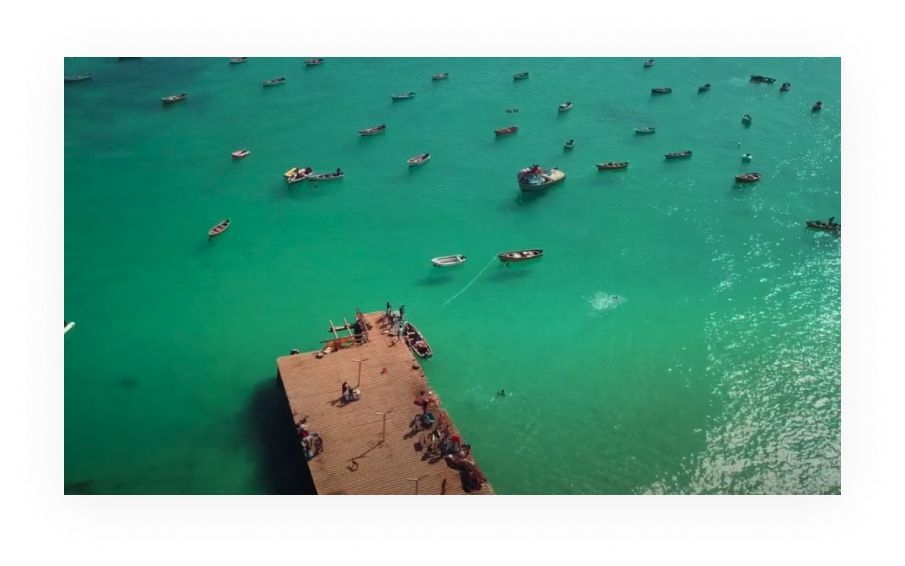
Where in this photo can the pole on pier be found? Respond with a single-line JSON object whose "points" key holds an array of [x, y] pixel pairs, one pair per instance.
{"points": [[357, 385]]}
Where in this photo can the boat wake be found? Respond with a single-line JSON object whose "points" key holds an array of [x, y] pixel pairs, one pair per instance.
{"points": [[489, 263], [603, 302]]}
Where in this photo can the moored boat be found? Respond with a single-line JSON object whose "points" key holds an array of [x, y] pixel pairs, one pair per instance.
{"points": [[520, 76], [536, 178], [827, 226], [240, 153], [678, 154], [746, 119], [219, 228], [661, 90], [335, 175], [418, 159], [520, 255], [313, 62], [373, 131], [448, 260], [747, 178], [440, 76], [569, 144], [649, 63], [647, 130], [274, 82], [746, 157], [297, 174], [77, 78], [415, 340], [785, 87], [565, 106], [611, 165], [405, 96], [761, 79], [506, 131], [704, 87], [237, 60], [817, 106], [173, 98]]}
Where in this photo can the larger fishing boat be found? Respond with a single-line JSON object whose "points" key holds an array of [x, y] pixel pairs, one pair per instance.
{"points": [[536, 178]]}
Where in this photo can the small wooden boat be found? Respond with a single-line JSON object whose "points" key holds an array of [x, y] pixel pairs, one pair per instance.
{"points": [[240, 153], [313, 62], [334, 176], [511, 110], [647, 130], [661, 90], [297, 174], [565, 106], [612, 165], [174, 98], [536, 178], [817, 106], [274, 82], [440, 76], [520, 255], [218, 229], [406, 96], [520, 76], [746, 119], [678, 154], [827, 226], [649, 63], [569, 144], [448, 260], [418, 159], [746, 157], [373, 131], [77, 78], [785, 87], [747, 178], [761, 79], [415, 340], [704, 87], [237, 60], [508, 130]]}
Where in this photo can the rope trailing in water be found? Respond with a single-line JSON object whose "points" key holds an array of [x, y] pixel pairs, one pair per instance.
{"points": [[470, 282]]}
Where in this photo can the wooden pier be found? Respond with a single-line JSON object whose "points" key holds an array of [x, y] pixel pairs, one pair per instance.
{"points": [[368, 444]]}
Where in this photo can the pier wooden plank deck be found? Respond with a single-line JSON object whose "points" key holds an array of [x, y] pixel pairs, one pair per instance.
{"points": [[356, 458]]}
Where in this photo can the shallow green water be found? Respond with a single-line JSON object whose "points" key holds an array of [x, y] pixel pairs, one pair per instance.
{"points": [[680, 334]]}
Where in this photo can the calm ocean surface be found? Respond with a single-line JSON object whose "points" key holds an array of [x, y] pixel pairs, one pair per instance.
{"points": [[680, 334]]}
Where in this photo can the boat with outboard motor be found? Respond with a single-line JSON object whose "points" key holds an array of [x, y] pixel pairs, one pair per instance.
{"points": [[520, 255], [827, 226]]}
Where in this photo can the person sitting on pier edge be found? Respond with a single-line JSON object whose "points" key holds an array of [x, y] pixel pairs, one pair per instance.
{"points": [[312, 445]]}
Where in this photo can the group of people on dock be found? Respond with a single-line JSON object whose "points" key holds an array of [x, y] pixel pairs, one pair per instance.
{"points": [[312, 443], [438, 440]]}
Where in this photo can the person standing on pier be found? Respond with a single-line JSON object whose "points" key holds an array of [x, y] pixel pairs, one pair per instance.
{"points": [[389, 313], [401, 312]]}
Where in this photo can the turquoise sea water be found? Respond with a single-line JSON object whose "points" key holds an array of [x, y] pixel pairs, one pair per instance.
{"points": [[680, 334]]}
